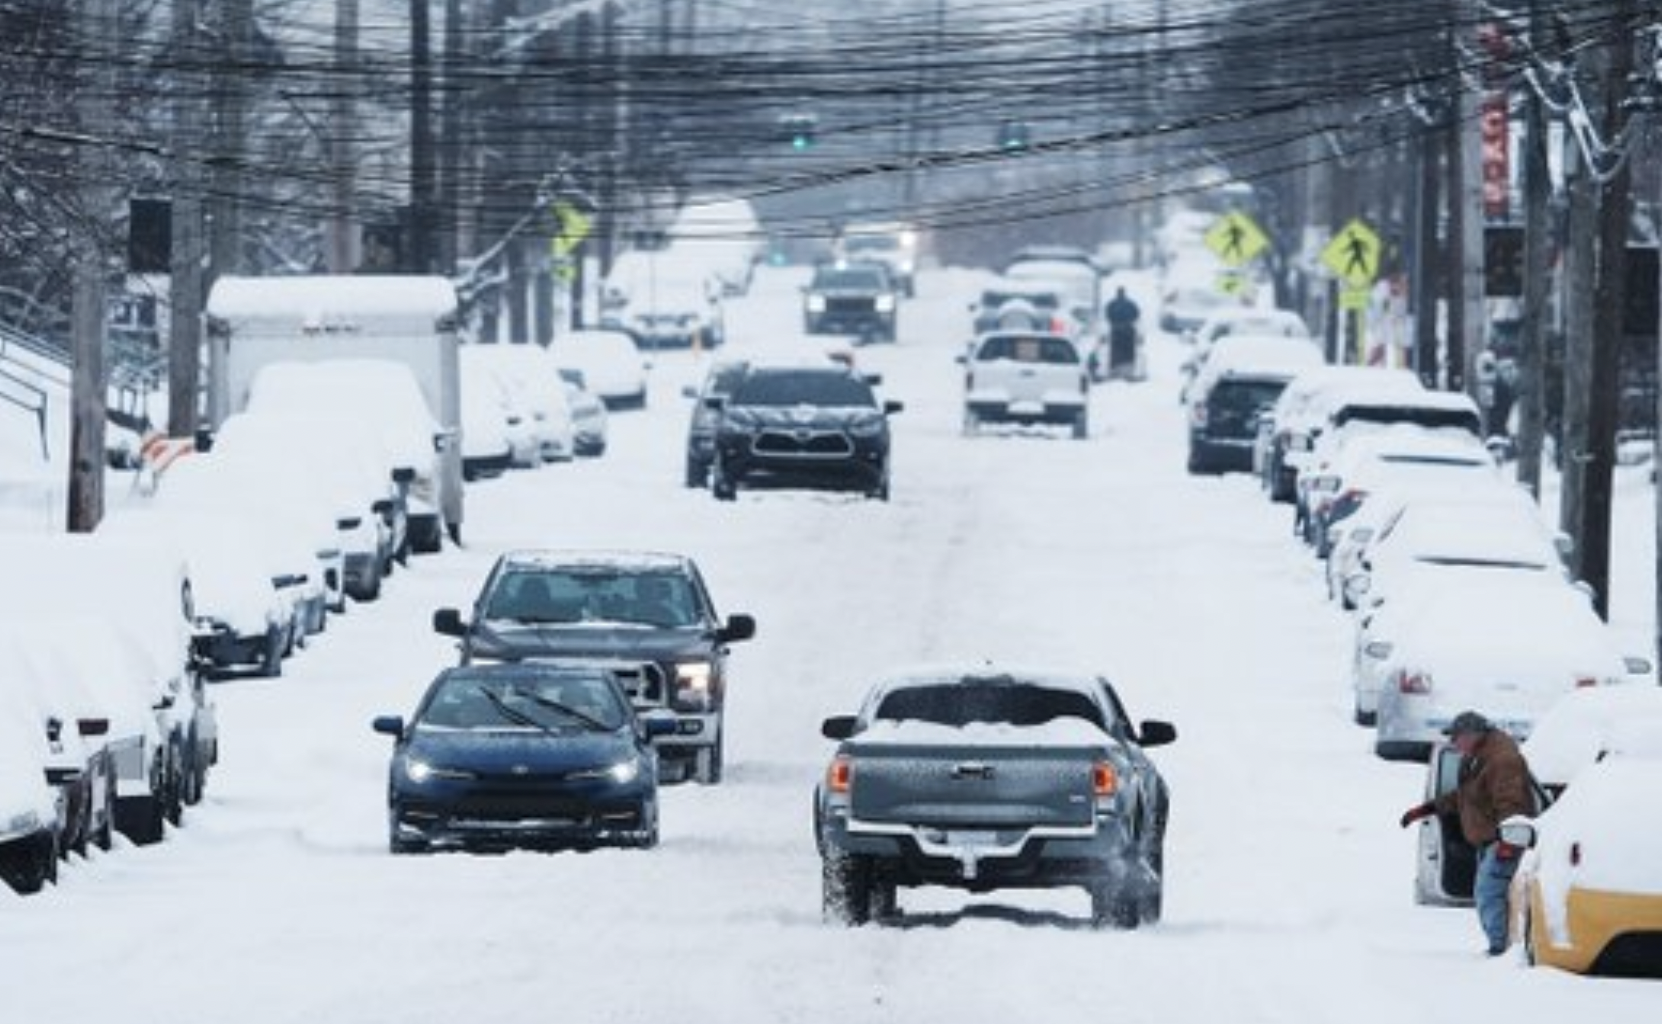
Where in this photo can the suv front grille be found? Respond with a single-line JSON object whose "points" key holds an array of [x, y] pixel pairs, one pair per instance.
{"points": [[803, 444]]}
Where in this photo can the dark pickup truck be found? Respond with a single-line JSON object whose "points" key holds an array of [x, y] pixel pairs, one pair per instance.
{"points": [[983, 780], [648, 609]]}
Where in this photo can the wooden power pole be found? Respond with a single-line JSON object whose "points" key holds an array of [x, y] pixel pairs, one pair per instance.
{"points": [[184, 342]]}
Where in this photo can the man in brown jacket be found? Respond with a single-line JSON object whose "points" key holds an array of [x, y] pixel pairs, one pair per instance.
{"points": [[1494, 786]]}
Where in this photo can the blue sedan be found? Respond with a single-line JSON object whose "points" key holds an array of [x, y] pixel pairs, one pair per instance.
{"points": [[533, 755]]}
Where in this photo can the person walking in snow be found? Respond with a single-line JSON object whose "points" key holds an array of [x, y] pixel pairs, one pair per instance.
{"points": [[1494, 785]]}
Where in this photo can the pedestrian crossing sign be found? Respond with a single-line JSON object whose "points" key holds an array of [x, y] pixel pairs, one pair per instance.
{"points": [[1236, 239], [1353, 254]]}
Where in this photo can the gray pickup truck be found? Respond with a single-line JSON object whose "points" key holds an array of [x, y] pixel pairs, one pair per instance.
{"points": [[985, 779]]}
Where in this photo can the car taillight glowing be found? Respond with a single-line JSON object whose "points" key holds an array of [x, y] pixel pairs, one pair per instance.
{"points": [[1104, 780], [1583, 682], [1413, 682], [839, 778]]}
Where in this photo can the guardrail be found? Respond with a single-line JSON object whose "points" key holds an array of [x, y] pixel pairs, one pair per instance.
{"points": [[29, 397]]}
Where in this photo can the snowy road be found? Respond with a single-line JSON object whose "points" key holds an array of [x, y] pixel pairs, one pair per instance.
{"points": [[1288, 890]]}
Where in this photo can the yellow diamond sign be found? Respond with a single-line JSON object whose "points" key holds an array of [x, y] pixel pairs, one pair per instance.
{"points": [[574, 227], [1236, 238], [1353, 255]]}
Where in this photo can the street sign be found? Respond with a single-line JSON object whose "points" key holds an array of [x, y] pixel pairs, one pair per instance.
{"points": [[1236, 238], [574, 228], [1353, 255]]}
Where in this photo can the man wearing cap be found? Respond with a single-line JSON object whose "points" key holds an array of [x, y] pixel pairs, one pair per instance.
{"points": [[1494, 785]]}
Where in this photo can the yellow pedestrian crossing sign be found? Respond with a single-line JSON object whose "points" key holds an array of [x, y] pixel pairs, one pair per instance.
{"points": [[574, 227], [1353, 254], [1236, 238]]}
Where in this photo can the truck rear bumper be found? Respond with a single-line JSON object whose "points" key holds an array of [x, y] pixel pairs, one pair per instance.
{"points": [[1035, 857]]}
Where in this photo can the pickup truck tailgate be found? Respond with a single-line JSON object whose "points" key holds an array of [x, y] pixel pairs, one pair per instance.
{"points": [[976, 787]]}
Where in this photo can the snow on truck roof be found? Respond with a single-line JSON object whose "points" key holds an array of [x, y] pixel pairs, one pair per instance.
{"points": [[324, 296]]}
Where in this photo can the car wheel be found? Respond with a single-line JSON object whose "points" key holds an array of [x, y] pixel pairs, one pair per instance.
{"points": [[370, 589], [722, 487], [426, 535], [143, 821], [271, 662], [972, 424], [1112, 908], [647, 838], [707, 763], [846, 888], [1081, 425], [1529, 934], [1367, 719], [104, 837], [698, 473]]}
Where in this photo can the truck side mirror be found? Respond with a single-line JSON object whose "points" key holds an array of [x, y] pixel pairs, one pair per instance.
{"points": [[448, 622]]}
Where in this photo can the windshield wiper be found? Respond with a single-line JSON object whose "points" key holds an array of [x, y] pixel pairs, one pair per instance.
{"points": [[512, 714], [554, 705]]}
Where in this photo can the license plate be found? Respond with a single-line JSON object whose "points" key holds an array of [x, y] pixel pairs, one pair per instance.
{"points": [[972, 838]]}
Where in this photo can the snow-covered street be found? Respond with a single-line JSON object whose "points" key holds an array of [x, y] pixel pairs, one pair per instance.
{"points": [[1288, 893]]}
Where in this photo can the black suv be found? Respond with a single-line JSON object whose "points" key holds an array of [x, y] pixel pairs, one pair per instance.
{"points": [[701, 428], [649, 615], [802, 426], [854, 298]]}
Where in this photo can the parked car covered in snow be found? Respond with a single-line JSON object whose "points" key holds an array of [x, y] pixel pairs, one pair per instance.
{"points": [[983, 779], [1244, 376], [29, 809], [1588, 894], [610, 362], [530, 383], [1506, 647], [590, 423], [1288, 432]]}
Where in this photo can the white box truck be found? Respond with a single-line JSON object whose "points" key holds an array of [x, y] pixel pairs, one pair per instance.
{"points": [[254, 322]]}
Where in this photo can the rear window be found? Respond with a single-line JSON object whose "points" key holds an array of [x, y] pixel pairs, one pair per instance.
{"points": [[809, 388], [1030, 349], [1245, 396], [959, 704]]}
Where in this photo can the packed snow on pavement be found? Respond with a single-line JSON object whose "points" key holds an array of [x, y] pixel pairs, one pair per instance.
{"points": [[1288, 889]]}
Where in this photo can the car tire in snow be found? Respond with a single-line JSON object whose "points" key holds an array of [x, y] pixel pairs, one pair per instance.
{"points": [[846, 887], [1081, 425], [1112, 907], [707, 765]]}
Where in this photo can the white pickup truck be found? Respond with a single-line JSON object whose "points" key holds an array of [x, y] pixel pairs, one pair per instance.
{"points": [[1027, 378]]}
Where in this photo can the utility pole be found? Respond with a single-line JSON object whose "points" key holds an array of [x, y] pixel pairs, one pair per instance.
{"points": [[1537, 282], [345, 249], [1610, 321], [1580, 282], [1427, 253], [450, 140], [100, 28], [184, 343], [418, 237], [234, 32]]}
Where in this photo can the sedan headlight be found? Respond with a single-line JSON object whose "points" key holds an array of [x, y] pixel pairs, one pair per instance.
{"points": [[620, 773], [425, 771], [816, 303]]}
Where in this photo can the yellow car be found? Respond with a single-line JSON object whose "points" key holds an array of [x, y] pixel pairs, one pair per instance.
{"points": [[1588, 896]]}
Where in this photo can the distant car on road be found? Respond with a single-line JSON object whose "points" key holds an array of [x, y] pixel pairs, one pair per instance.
{"points": [[1237, 386], [852, 298], [1027, 378], [718, 384], [653, 611], [611, 364], [802, 426], [533, 755], [983, 779], [891, 243]]}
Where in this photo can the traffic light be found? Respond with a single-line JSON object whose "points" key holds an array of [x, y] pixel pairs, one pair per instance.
{"points": [[798, 130], [1013, 135]]}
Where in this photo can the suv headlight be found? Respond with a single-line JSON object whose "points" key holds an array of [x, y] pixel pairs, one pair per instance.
{"points": [[693, 675], [885, 303], [816, 303], [870, 426]]}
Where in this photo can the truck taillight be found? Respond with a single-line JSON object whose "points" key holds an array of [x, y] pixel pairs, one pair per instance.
{"points": [[1413, 682], [839, 778], [1105, 781]]}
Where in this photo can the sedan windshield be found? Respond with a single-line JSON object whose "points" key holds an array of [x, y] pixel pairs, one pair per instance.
{"points": [[550, 702]]}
